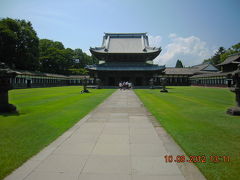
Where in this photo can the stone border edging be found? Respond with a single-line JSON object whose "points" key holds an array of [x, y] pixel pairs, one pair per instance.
{"points": [[189, 170]]}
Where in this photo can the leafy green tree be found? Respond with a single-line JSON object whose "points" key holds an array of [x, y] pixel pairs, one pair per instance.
{"points": [[179, 64], [216, 58], [233, 50], [20, 48], [67, 61], [8, 41], [49, 62], [80, 60], [57, 60], [94, 60], [52, 57], [80, 71], [236, 47], [18, 44], [45, 44]]}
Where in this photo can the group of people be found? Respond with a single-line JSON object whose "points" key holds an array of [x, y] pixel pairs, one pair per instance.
{"points": [[125, 85]]}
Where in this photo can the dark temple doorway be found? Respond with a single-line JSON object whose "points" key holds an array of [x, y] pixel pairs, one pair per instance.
{"points": [[124, 79], [111, 81], [139, 81], [29, 83]]}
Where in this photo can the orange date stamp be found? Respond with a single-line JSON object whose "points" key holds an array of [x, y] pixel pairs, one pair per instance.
{"points": [[196, 159]]}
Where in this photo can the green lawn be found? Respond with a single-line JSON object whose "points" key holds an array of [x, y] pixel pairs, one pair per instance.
{"points": [[45, 113], [195, 117]]}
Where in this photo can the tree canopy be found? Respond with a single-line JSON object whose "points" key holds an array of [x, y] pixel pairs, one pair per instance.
{"points": [[18, 44], [215, 59], [179, 64], [55, 58], [233, 50], [222, 54], [20, 48]]}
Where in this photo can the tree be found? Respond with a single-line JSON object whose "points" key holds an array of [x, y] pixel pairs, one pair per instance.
{"points": [[80, 60], [55, 58], [94, 60], [215, 59], [67, 61], [50, 55], [8, 41], [233, 50], [80, 71], [18, 44], [20, 48], [179, 64], [236, 47], [45, 44]]}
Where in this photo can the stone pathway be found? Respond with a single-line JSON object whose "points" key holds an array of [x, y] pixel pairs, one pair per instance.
{"points": [[117, 141]]}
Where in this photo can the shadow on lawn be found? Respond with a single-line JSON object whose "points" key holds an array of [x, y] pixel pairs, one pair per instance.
{"points": [[10, 114]]}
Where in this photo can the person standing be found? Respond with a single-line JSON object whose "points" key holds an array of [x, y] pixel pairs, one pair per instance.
{"points": [[124, 85], [130, 85], [120, 85], [127, 85]]}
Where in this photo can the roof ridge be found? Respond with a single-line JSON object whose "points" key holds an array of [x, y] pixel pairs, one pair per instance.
{"points": [[124, 33], [235, 54]]}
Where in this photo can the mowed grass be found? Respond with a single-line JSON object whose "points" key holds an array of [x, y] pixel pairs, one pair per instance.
{"points": [[44, 114], [195, 117]]}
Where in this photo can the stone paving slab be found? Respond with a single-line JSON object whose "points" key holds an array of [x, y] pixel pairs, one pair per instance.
{"points": [[117, 141]]}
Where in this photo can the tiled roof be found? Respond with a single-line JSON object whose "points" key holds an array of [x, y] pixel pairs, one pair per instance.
{"points": [[180, 71], [21, 72], [125, 43], [29, 73], [204, 67], [194, 70], [210, 75], [235, 58]]}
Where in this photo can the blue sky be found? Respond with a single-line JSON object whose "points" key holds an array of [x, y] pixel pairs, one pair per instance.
{"points": [[190, 30]]}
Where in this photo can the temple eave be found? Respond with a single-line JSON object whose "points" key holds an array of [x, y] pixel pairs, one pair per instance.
{"points": [[125, 67], [102, 51], [126, 56], [126, 70]]}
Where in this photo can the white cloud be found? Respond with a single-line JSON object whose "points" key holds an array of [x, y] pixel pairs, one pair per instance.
{"points": [[154, 41], [172, 35], [191, 50]]}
